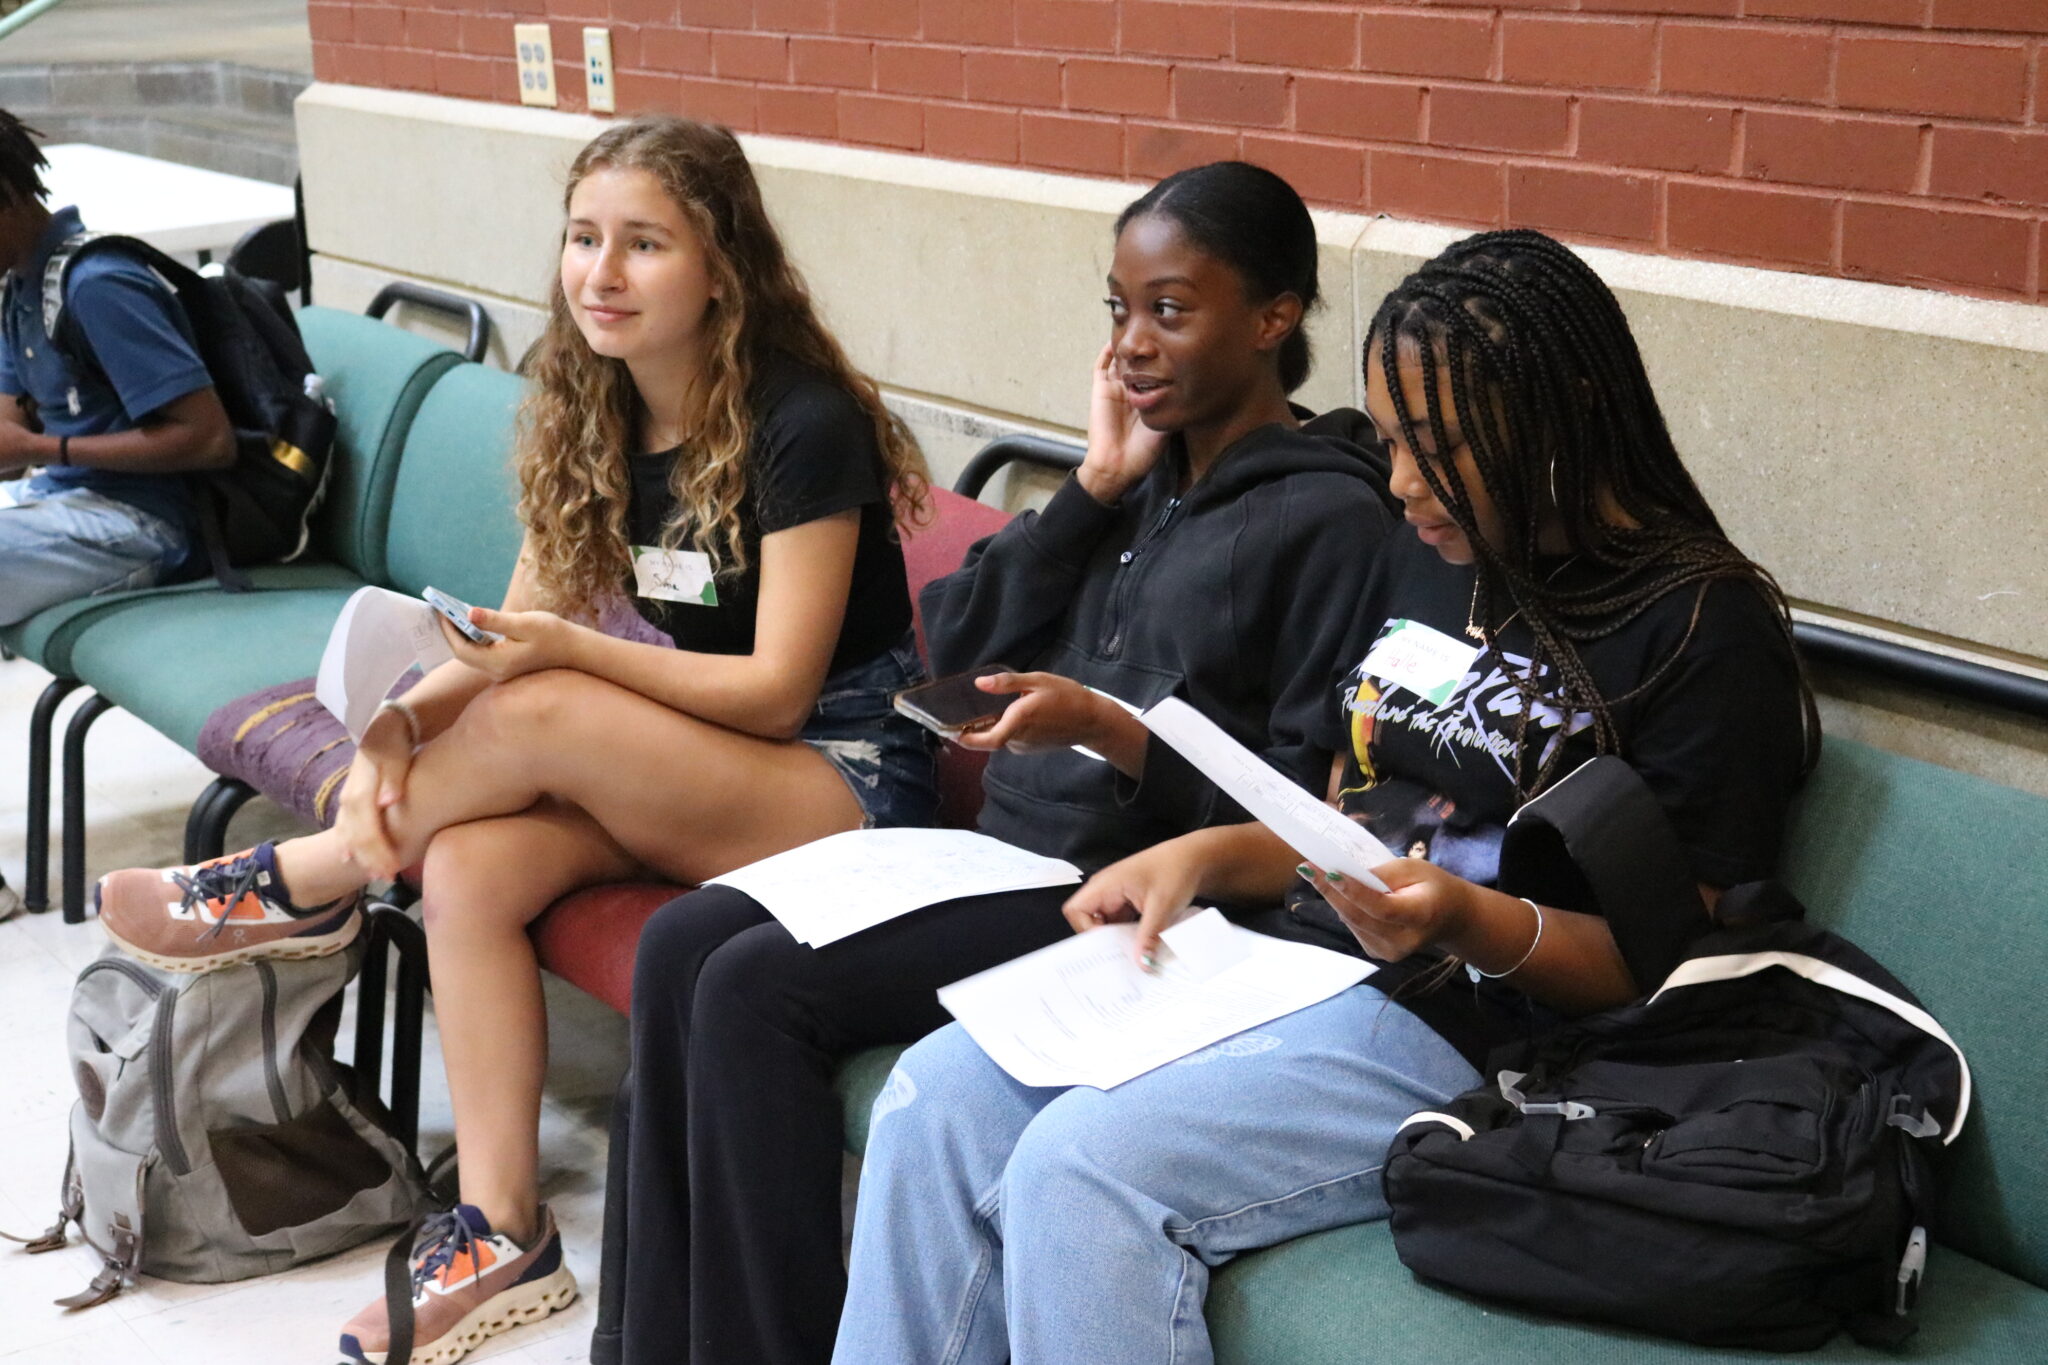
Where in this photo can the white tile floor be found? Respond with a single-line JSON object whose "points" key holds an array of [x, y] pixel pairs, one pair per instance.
{"points": [[140, 785]]}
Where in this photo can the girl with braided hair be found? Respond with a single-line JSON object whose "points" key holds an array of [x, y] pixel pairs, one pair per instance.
{"points": [[1561, 590]]}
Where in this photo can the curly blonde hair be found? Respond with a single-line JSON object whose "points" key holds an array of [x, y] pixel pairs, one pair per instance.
{"points": [[577, 422]]}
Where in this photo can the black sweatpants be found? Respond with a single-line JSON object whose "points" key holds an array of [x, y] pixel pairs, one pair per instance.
{"points": [[722, 1217]]}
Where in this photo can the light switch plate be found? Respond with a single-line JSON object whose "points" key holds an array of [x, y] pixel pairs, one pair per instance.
{"points": [[536, 63], [597, 70]]}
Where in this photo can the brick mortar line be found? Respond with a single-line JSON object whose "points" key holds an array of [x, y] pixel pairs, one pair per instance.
{"points": [[1674, 99], [1918, 197], [1709, 103]]}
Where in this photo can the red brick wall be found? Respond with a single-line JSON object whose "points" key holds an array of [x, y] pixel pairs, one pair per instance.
{"points": [[1896, 140]]}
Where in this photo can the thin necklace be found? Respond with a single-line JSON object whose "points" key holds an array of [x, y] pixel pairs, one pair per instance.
{"points": [[1479, 632]]}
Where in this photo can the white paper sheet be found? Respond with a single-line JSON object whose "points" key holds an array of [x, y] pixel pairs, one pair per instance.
{"points": [[377, 637], [845, 883], [1082, 1012], [1321, 835]]}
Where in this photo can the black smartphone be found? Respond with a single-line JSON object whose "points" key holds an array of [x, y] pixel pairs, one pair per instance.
{"points": [[954, 705]]}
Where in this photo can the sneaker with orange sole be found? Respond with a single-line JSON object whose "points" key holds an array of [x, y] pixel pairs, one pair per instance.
{"points": [[214, 914]]}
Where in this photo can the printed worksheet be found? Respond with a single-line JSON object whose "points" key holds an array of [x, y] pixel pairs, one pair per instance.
{"points": [[1315, 831], [845, 883], [377, 637], [1083, 1012]]}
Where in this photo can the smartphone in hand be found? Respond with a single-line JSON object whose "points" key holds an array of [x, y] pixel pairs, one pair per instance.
{"points": [[953, 705], [456, 612]]}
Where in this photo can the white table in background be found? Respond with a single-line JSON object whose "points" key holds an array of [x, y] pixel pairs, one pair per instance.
{"points": [[188, 212]]}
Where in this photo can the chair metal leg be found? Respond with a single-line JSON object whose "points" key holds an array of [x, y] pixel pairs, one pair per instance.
{"points": [[89, 710], [35, 883], [206, 825]]}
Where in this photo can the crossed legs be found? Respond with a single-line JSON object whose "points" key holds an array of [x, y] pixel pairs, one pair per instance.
{"points": [[548, 783]]}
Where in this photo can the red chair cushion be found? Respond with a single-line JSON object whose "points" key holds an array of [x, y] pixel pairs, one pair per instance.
{"points": [[588, 938]]}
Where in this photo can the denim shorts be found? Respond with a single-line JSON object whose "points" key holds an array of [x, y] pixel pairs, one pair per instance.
{"points": [[889, 762]]}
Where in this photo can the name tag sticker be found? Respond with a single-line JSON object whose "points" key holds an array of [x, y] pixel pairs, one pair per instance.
{"points": [[674, 575], [1422, 659]]}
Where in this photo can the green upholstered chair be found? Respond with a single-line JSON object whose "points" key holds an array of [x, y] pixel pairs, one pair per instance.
{"points": [[145, 656], [378, 377], [445, 513], [454, 521], [1943, 878]]}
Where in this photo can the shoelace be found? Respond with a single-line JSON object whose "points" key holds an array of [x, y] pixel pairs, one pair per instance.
{"points": [[442, 1238], [225, 882]]}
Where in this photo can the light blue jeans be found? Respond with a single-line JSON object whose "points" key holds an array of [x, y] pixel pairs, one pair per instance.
{"points": [[55, 547], [1002, 1222]]}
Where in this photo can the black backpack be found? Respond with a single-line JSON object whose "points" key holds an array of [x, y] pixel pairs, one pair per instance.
{"points": [[257, 511], [1744, 1158]]}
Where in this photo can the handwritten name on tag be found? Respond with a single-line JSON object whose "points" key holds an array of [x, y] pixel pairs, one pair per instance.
{"points": [[674, 575], [1422, 659]]}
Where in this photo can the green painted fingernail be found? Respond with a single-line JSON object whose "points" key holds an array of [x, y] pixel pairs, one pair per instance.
{"points": [[1335, 876], [1305, 872], [1151, 962]]}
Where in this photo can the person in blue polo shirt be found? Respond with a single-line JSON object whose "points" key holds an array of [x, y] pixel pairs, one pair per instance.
{"points": [[108, 507]]}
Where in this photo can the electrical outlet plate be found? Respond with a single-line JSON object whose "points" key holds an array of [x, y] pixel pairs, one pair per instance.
{"points": [[536, 63], [599, 90]]}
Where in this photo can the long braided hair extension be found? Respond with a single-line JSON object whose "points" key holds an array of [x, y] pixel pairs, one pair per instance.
{"points": [[21, 163], [1549, 390]]}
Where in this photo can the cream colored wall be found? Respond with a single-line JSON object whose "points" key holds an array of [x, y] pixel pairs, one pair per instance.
{"points": [[1884, 450]]}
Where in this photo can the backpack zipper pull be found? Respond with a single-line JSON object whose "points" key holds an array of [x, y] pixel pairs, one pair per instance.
{"points": [[1568, 1110], [1911, 1267]]}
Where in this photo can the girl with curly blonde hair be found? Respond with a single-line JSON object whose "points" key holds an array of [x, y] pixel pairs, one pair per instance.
{"points": [[696, 444]]}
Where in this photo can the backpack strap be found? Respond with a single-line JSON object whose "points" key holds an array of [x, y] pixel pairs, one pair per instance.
{"points": [[214, 538], [56, 274], [398, 1298], [72, 343], [1599, 841], [69, 341], [1729, 966]]}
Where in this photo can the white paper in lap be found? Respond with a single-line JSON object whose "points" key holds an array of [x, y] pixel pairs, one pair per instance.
{"points": [[376, 638], [1319, 834], [1082, 1012], [842, 884]]}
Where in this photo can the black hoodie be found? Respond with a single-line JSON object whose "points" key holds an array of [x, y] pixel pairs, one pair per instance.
{"points": [[1236, 597]]}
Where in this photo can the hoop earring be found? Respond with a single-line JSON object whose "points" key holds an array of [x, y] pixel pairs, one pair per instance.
{"points": [[1553, 484]]}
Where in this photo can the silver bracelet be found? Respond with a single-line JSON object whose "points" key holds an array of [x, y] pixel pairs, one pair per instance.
{"points": [[412, 717], [1538, 912]]}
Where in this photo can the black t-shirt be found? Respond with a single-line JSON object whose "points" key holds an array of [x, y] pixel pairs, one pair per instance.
{"points": [[813, 454], [1715, 733]]}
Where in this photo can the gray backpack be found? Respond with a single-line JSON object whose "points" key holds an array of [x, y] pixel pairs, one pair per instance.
{"points": [[215, 1137]]}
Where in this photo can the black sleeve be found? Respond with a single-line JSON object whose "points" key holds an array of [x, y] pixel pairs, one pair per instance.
{"points": [[814, 454], [1719, 738], [1009, 594], [1305, 571]]}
